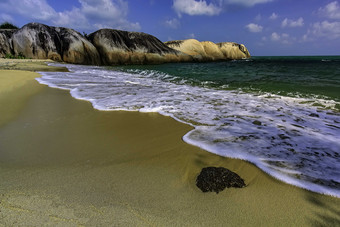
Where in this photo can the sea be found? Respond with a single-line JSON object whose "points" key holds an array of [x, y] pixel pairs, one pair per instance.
{"points": [[280, 113]]}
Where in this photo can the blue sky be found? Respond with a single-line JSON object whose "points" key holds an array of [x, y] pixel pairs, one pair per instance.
{"points": [[266, 27]]}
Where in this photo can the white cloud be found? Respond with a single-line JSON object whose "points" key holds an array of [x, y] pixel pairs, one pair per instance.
{"points": [[192, 7], [247, 3], [282, 38], [258, 17], [98, 14], [172, 23], [214, 7], [191, 36], [254, 27], [92, 14], [305, 37], [34, 9], [329, 30], [292, 23], [331, 10], [284, 22], [104, 9], [275, 36], [285, 35], [274, 16]]}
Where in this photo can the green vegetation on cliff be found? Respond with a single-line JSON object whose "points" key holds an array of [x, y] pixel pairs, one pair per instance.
{"points": [[7, 25]]}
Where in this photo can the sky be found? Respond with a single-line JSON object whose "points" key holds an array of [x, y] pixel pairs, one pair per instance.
{"points": [[265, 27]]}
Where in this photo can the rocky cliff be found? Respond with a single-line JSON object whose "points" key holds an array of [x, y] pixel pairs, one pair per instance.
{"points": [[110, 47], [209, 51], [122, 47], [40, 41], [5, 43]]}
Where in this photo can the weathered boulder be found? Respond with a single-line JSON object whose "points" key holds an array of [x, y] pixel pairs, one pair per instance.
{"points": [[40, 41], [216, 179], [77, 49], [5, 41], [233, 50], [209, 51], [123, 47], [191, 47], [212, 51]]}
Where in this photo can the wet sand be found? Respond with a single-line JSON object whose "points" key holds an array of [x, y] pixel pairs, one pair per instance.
{"points": [[64, 163]]}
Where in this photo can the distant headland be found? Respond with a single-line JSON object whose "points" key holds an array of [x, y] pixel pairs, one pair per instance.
{"points": [[110, 47]]}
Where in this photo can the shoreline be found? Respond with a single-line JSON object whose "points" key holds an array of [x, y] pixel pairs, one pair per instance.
{"points": [[88, 167], [275, 151]]}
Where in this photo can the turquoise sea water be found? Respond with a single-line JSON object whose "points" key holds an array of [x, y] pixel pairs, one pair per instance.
{"points": [[291, 76], [280, 113]]}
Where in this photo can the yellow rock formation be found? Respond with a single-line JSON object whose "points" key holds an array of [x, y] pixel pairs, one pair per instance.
{"points": [[209, 51]]}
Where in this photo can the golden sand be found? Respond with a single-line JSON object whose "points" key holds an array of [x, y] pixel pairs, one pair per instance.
{"points": [[14, 93], [64, 163], [13, 90]]}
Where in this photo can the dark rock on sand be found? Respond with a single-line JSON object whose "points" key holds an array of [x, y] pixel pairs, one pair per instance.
{"points": [[256, 122], [123, 47], [216, 179], [314, 115]]}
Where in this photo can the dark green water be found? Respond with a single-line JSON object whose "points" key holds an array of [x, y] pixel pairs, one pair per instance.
{"points": [[289, 76]]}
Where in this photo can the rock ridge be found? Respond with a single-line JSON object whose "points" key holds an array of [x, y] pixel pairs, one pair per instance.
{"points": [[110, 47], [123, 47]]}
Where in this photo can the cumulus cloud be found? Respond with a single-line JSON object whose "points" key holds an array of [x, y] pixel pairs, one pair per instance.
{"points": [[104, 9], [172, 23], [282, 38], [35, 9], [274, 16], [98, 14], [91, 13], [275, 36], [292, 23], [329, 30], [192, 7], [331, 10], [74, 19], [254, 27]]}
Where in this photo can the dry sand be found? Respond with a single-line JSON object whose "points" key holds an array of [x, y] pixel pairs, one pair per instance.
{"points": [[64, 163]]}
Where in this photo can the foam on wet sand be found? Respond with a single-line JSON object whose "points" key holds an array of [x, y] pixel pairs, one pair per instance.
{"points": [[81, 166]]}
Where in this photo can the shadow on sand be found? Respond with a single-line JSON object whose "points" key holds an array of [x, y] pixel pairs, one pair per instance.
{"points": [[330, 215]]}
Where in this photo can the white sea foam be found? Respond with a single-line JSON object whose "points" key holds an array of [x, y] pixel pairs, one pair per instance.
{"points": [[292, 139]]}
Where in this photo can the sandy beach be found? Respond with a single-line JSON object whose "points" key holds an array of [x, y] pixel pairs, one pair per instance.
{"points": [[64, 163]]}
